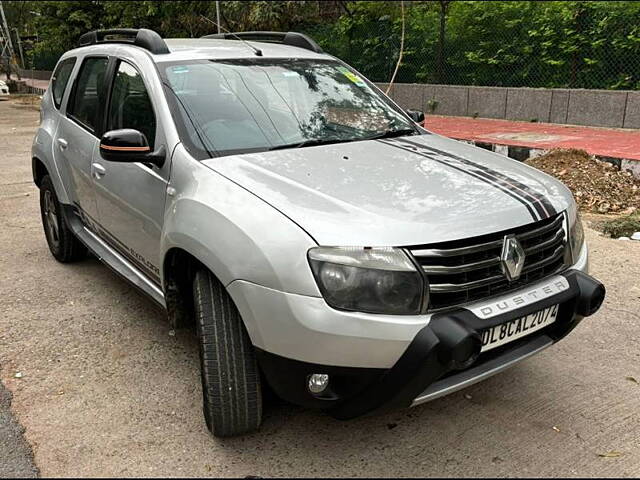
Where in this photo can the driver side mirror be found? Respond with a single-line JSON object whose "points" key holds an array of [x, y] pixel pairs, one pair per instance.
{"points": [[416, 115], [128, 145]]}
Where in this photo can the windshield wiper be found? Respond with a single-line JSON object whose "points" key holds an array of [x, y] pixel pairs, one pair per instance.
{"points": [[310, 143], [391, 133]]}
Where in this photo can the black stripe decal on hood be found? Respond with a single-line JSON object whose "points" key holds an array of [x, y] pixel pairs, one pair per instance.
{"points": [[477, 174], [539, 202]]}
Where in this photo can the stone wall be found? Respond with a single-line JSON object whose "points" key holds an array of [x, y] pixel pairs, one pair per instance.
{"points": [[600, 108]]}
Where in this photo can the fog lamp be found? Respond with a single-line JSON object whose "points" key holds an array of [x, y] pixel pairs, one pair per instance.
{"points": [[318, 383]]}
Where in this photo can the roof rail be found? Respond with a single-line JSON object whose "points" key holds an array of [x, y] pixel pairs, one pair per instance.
{"points": [[141, 37], [293, 39]]}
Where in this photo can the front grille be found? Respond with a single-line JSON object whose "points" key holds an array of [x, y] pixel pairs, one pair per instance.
{"points": [[463, 271]]}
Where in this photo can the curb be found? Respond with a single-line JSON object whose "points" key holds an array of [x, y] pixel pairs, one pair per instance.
{"points": [[522, 153]]}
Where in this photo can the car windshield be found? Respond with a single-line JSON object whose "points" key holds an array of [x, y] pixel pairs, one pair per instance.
{"points": [[250, 105]]}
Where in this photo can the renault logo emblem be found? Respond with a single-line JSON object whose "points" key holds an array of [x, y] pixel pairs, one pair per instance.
{"points": [[512, 258]]}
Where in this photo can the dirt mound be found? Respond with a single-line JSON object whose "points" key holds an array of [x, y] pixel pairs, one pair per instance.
{"points": [[598, 187]]}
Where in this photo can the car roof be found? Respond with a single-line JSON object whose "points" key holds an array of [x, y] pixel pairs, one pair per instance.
{"points": [[184, 49], [208, 48]]}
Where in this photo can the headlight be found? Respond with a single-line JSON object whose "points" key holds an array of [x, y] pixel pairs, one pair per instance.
{"points": [[576, 233], [374, 280]]}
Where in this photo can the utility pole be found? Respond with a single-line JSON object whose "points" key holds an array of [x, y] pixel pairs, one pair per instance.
{"points": [[444, 6], [217, 14], [6, 30], [6, 50], [19, 47]]}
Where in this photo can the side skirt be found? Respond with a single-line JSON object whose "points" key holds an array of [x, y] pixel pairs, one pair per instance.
{"points": [[111, 258]]}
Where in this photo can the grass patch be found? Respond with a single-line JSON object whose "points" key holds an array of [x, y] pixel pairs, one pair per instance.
{"points": [[623, 226]]}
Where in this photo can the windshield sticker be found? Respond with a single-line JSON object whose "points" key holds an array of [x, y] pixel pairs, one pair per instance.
{"points": [[180, 69], [352, 76]]}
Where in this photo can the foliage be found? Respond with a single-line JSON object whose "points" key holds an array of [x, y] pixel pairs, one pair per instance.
{"points": [[588, 44], [503, 43], [622, 227], [59, 24], [550, 44]]}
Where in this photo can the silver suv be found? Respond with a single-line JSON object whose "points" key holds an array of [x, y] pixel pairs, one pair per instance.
{"points": [[325, 245]]}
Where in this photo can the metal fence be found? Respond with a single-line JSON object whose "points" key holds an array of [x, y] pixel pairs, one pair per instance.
{"points": [[592, 45], [550, 44]]}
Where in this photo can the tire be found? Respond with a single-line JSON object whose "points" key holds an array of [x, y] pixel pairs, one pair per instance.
{"points": [[64, 246], [231, 390]]}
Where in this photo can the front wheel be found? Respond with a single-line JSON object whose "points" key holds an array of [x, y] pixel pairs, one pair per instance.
{"points": [[231, 390]]}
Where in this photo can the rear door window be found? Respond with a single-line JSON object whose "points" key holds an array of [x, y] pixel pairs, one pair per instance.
{"points": [[89, 93], [60, 79]]}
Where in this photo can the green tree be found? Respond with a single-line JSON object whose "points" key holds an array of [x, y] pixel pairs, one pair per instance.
{"points": [[589, 44]]}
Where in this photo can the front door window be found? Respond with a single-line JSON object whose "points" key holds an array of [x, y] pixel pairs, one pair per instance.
{"points": [[130, 104]]}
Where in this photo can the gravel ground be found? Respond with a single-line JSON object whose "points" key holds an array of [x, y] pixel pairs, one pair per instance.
{"points": [[107, 391]]}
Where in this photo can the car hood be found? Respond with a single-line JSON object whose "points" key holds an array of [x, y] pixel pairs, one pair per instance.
{"points": [[407, 191]]}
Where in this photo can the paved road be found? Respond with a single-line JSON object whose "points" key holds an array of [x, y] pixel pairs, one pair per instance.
{"points": [[108, 391], [15, 453]]}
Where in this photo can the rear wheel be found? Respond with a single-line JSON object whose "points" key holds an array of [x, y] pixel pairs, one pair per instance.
{"points": [[231, 390], [64, 246]]}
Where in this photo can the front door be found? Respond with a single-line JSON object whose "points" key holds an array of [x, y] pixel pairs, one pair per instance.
{"points": [[131, 196]]}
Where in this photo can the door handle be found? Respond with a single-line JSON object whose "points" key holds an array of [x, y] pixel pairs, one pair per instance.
{"points": [[63, 143], [98, 170]]}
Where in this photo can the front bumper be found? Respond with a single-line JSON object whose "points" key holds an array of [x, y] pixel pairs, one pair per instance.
{"points": [[433, 363], [428, 368], [398, 361]]}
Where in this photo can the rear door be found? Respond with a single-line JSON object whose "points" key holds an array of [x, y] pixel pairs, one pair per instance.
{"points": [[76, 142], [131, 196], [51, 111]]}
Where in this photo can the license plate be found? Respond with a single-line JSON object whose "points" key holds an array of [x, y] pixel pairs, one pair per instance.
{"points": [[520, 327]]}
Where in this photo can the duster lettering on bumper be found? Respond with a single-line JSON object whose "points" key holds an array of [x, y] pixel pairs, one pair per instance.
{"points": [[506, 303]]}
